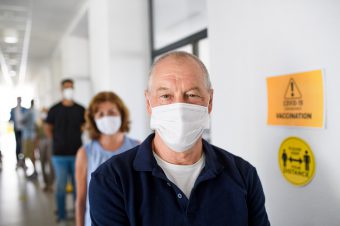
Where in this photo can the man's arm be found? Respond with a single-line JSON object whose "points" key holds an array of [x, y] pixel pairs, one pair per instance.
{"points": [[106, 201], [257, 215], [49, 124], [11, 115]]}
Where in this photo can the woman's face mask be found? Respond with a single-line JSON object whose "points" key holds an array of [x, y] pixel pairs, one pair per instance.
{"points": [[180, 125], [108, 125]]}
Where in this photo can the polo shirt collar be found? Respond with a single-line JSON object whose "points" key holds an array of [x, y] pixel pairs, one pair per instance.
{"points": [[145, 161]]}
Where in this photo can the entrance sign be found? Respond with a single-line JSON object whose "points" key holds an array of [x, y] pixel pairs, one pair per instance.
{"points": [[296, 161], [296, 99]]}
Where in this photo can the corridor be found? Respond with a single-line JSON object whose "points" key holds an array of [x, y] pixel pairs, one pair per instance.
{"points": [[22, 200]]}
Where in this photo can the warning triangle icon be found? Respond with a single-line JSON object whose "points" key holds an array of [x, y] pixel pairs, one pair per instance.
{"points": [[292, 91]]}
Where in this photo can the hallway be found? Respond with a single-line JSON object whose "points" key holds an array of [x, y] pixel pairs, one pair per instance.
{"points": [[22, 201]]}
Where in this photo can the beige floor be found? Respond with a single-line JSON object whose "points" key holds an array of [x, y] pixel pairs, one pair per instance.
{"points": [[22, 201]]}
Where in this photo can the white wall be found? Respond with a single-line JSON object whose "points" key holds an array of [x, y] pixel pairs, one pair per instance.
{"points": [[119, 47], [251, 40], [75, 65], [41, 78]]}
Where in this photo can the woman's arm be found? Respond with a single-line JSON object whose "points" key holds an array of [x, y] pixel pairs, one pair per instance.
{"points": [[81, 186]]}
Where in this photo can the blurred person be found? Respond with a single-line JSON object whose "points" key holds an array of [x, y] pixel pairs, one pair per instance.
{"points": [[107, 120], [64, 124], [175, 177], [16, 118], [44, 145], [29, 133]]}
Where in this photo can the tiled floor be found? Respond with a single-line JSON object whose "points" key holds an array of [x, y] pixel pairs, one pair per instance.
{"points": [[22, 201]]}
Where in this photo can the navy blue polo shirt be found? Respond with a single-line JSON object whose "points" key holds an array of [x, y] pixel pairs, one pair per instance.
{"points": [[131, 189]]}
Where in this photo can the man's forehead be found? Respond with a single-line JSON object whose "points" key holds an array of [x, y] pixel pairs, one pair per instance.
{"points": [[67, 84], [172, 69]]}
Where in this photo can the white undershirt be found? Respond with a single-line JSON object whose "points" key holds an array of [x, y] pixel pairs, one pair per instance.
{"points": [[183, 176]]}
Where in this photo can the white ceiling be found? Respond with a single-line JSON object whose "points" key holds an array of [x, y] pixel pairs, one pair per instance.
{"points": [[50, 19]]}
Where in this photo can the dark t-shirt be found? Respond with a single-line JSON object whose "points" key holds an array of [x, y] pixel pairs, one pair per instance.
{"points": [[66, 122]]}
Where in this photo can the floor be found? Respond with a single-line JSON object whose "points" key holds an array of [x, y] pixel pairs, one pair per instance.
{"points": [[22, 200]]}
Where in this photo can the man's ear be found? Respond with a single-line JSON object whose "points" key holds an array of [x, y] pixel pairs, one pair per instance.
{"points": [[211, 93], [147, 101]]}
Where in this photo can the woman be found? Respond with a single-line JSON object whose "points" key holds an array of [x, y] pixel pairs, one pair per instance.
{"points": [[107, 121]]}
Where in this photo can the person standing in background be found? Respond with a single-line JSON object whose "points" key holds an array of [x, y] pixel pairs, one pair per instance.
{"points": [[44, 145], [107, 120], [29, 133], [16, 118], [64, 124]]}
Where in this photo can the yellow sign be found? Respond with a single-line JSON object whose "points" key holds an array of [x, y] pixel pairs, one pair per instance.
{"points": [[296, 161], [296, 99]]}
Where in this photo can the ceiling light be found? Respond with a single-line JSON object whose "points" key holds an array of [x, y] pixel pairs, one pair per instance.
{"points": [[10, 36]]}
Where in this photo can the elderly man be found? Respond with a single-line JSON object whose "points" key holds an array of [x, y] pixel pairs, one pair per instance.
{"points": [[175, 177]]}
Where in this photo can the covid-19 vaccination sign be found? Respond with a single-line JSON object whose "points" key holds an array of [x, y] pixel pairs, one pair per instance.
{"points": [[296, 99]]}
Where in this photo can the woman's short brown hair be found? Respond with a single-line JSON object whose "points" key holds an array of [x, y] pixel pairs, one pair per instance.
{"points": [[93, 108]]}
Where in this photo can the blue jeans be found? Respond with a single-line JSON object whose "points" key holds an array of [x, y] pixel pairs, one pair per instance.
{"points": [[64, 169]]}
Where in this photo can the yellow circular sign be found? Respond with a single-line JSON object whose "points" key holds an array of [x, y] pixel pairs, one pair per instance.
{"points": [[296, 161]]}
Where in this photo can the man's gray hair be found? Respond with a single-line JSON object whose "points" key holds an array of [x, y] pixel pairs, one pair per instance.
{"points": [[181, 55]]}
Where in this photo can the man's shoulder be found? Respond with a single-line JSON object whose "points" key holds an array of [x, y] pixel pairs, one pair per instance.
{"points": [[232, 161], [55, 106], [78, 106]]}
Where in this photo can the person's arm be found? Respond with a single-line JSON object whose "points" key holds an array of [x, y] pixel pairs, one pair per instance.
{"points": [[11, 119], [257, 214], [107, 205], [49, 123], [81, 182]]}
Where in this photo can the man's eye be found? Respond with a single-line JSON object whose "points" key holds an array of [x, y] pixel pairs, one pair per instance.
{"points": [[165, 96], [191, 95]]}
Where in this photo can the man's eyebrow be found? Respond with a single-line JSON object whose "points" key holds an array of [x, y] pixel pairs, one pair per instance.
{"points": [[162, 89], [196, 88]]}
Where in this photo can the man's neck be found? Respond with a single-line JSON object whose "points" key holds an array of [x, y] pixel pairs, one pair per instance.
{"points": [[67, 103], [188, 157]]}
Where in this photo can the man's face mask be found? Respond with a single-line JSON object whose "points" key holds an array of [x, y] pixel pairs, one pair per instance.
{"points": [[68, 93], [180, 125]]}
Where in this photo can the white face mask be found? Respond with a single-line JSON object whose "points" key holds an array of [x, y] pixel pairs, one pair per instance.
{"points": [[68, 93], [180, 125], [108, 125]]}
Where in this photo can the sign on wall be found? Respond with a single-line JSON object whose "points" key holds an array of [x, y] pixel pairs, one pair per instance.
{"points": [[296, 161], [296, 99]]}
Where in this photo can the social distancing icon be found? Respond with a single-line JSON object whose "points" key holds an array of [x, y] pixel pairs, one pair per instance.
{"points": [[292, 91], [296, 161]]}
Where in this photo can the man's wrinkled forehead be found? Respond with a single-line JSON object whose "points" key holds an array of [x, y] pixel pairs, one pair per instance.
{"points": [[175, 68]]}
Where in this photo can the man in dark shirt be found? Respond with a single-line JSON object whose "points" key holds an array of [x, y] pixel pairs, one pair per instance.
{"points": [[175, 177], [64, 126]]}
